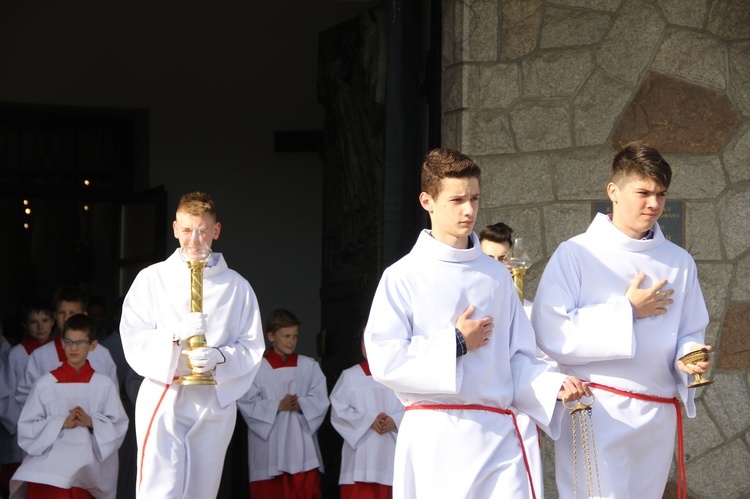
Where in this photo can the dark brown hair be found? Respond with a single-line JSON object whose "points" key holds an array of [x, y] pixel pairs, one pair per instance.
{"points": [[641, 160], [82, 323], [497, 233], [280, 318], [446, 163]]}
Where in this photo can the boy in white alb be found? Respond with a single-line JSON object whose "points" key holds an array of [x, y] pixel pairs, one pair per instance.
{"points": [[68, 301], [618, 305], [367, 415], [71, 427], [283, 411], [183, 431], [38, 323], [448, 334]]}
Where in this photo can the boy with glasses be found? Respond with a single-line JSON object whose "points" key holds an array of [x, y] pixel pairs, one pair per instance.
{"points": [[71, 426]]}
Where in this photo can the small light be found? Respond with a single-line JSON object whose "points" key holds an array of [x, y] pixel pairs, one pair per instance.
{"points": [[25, 202], [28, 211], [25, 225], [85, 207], [86, 182]]}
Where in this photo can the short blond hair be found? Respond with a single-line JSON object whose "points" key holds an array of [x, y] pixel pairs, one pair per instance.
{"points": [[197, 203]]}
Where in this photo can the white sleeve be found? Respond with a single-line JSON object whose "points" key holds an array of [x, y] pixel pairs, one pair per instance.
{"points": [[31, 372], [400, 359], [352, 422], [109, 425], [149, 351], [314, 404], [572, 334], [37, 430], [258, 412]]}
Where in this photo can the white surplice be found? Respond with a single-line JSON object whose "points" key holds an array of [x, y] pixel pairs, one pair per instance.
{"points": [[72, 457], [356, 401], [284, 441]]}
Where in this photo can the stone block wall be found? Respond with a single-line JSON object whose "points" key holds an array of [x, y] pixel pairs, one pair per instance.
{"points": [[539, 92]]}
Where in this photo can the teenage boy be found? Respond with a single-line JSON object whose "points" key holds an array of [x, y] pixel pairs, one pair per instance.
{"points": [[68, 301], [283, 411], [71, 426], [183, 431], [448, 334], [618, 305], [37, 323]]}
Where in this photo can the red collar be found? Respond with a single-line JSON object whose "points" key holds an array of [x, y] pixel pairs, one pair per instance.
{"points": [[31, 344], [365, 367], [67, 374], [276, 361], [59, 348]]}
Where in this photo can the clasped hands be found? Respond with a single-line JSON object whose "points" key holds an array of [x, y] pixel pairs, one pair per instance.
{"points": [[383, 424], [290, 402], [78, 417]]}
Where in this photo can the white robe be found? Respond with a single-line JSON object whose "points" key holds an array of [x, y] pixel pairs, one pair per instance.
{"points": [[411, 346], [73, 457], [51, 356], [356, 401], [584, 322], [11, 370], [284, 441], [185, 430]]}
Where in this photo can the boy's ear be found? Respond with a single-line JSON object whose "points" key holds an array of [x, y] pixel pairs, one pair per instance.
{"points": [[93, 345], [426, 201], [269, 336], [217, 230]]}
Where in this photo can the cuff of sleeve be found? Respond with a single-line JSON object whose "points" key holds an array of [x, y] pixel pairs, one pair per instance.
{"points": [[460, 344]]}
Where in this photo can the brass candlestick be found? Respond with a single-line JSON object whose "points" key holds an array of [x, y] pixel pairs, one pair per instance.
{"points": [[518, 274], [693, 358], [517, 261], [196, 305]]}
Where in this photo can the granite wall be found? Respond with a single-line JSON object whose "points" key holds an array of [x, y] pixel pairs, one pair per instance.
{"points": [[539, 92]]}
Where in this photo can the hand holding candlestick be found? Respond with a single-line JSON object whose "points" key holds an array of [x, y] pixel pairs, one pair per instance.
{"points": [[196, 253]]}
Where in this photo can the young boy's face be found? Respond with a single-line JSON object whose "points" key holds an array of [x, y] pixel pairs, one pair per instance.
{"points": [[284, 340], [454, 211], [65, 310], [637, 203], [38, 325], [77, 347], [185, 223]]}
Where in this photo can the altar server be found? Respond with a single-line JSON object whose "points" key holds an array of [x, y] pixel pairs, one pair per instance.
{"points": [[71, 427], [367, 415], [38, 322], [183, 431], [283, 411], [618, 306], [448, 334]]}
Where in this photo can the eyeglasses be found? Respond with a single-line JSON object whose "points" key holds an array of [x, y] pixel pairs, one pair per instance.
{"points": [[70, 343]]}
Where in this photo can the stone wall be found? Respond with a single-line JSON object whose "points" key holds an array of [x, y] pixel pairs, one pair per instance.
{"points": [[539, 93]]}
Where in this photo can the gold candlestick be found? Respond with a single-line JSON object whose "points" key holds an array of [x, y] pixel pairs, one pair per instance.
{"points": [[199, 340], [517, 261], [518, 274]]}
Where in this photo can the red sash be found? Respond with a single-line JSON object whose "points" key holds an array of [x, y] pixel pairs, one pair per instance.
{"points": [[681, 472], [479, 407]]}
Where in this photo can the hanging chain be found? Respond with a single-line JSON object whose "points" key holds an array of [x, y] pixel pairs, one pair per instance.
{"points": [[582, 424]]}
